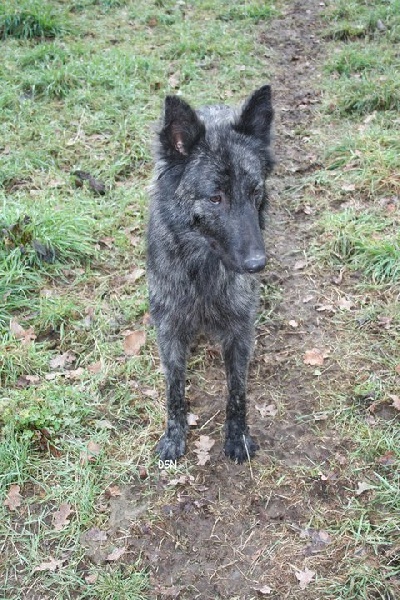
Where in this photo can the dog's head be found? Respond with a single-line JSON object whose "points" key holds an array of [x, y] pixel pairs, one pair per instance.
{"points": [[220, 162]]}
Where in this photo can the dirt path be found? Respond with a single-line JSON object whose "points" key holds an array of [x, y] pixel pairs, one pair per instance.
{"points": [[230, 530]]}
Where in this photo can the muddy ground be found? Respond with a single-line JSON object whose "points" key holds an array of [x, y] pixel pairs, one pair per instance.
{"points": [[238, 532]]}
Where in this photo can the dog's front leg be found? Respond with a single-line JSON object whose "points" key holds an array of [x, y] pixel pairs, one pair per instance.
{"points": [[173, 351], [238, 443]]}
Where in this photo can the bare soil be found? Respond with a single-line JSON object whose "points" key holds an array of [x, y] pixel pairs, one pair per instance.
{"points": [[230, 530]]}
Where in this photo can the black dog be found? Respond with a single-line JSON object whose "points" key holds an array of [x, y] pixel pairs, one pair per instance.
{"points": [[204, 245]]}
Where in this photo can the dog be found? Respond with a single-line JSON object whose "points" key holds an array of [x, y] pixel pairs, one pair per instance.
{"points": [[204, 247]]}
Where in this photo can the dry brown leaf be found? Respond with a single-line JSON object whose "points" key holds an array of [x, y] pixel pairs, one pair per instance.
{"points": [[51, 565], [265, 410], [25, 335], [204, 445], [95, 367], [305, 577], [116, 554], [325, 308], [73, 373], [182, 480], [345, 304], [91, 452], [348, 187], [192, 419], [134, 341], [315, 357], [13, 499], [137, 273], [299, 265], [362, 487], [112, 491], [263, 589], [32, 378], [396, 401], [94, 534], [60, 517], [62, 360], [90, 579]]}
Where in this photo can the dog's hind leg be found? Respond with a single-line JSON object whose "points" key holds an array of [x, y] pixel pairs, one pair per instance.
{"points": [[173, 351], [238, 443]]}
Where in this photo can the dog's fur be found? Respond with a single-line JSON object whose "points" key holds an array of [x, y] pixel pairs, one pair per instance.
{"points": [[204, 245]]}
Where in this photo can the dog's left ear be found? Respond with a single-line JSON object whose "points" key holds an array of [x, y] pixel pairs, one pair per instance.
{"points": [[257, 114], [182, 128]]}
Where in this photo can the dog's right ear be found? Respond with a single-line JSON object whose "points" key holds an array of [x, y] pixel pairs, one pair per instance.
{"points": [[257, 114], [181, 129]]}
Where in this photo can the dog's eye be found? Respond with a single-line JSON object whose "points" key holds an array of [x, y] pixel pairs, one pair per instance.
{"points": [[216, 199]]}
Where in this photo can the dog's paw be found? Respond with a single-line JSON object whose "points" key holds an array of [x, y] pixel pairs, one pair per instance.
{"points": [[240, 448], [172, 445]]}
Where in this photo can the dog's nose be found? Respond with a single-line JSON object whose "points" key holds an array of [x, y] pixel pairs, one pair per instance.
{"points": [[255, 263]]}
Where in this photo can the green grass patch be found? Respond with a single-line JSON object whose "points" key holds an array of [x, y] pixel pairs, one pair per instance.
{"points": [[81, 86], [30, 19], [364, 241]]}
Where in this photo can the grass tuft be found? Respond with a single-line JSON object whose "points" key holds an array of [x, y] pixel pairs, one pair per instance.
{"points": [[28, 20]]}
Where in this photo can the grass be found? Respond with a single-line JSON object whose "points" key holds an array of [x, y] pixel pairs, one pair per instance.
{"points": [[30, 19], [81, 84], [358, 237]]}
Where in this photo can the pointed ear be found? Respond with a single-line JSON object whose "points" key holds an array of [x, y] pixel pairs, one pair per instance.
{"points": [[181, 129], [257, 114]]}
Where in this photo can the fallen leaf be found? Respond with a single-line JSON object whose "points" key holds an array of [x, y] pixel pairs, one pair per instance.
{"points": [[94, 534], [14, 498], [350, 187], [95, 184], [192, 419], [387, 459], [107, 241], [104, 424], [344, 304], [263, 589], [116, 554], [91, 452], [315, 357], [204, 445], [396, 401], [397, 369], [92, 578], [167, 592], [95, 367], [363, 486], [182, 480], [51, 565], [151, 393], [62, 360], [134, 275], [60, 517], [25, 335], [307, 299], [174, 80], [324, 308], [134, 341], [112, 491], [265, 410], [305, 577], [143, 474], [73, 373], [299, 265]]}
